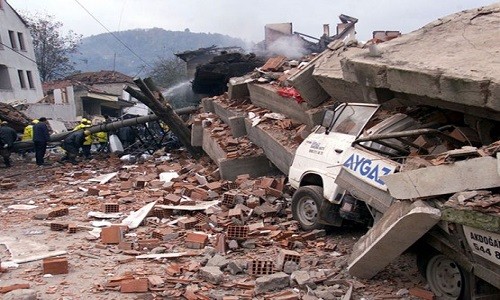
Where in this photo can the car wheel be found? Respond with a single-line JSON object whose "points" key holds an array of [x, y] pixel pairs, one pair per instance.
{"points": [[445, 277], [306, 202]]}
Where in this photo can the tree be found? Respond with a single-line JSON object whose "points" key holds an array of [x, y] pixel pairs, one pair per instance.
{"points": [[168, 72], [52, 49]]}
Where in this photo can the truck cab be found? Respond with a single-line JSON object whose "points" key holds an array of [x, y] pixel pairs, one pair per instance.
{"points": [[327, 152]]}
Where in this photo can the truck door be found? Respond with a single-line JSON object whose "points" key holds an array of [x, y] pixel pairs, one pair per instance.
{"points": [[348, 123]]}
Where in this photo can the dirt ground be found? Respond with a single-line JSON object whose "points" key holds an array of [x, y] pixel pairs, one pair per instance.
{"points": [[92, 264]]}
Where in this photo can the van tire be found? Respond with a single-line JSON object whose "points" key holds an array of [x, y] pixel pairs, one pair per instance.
{"points": [[445, 277], [306, 203]]}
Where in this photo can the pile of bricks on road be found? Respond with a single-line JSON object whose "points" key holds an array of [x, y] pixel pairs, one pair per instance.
{"points": [[245, 246]]}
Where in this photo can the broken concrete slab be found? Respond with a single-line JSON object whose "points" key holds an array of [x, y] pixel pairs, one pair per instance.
{"points": [[309, 88], [224, 113], [212, 274], [197, 133], [24, 250], [454, 82], [384, 241], [266, 96], [328, 73], [276, 152], [271, 282], [21, 294], [237, 87], [255, 166], [218, 261], [230, 168], [471, 174], [237, 124]]}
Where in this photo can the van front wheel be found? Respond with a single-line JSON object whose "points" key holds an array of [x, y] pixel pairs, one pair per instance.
{"points": [[306, 203]]}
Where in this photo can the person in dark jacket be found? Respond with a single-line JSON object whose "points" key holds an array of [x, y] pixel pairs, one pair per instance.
{"points": [[41, 137], [127, 136], [72, 144], [7, 138]]}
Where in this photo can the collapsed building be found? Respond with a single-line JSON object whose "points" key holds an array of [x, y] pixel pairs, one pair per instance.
{"points": [[233, 205]]}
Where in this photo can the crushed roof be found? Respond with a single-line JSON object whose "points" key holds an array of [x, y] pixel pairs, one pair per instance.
{"points": [[100, 77]]}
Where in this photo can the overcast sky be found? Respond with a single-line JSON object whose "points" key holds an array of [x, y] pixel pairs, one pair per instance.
{"points": [[244, 19]]}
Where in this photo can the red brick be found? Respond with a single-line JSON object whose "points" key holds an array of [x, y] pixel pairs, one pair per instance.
{"points": [[105, 193], [172, 199], [422, 294], [173, 269], [57, 226], [160, 213], [237, 232], [112, 234], [124, 176], [187, 223], [260, 267], [72, 228], [158, 193], [58, 212], [93, 191], [235, 213], [229, 199], [201, 217], [140, 182], [287, 255], [126, 185], [55, 265], [161, 233], [253, 202], [148, 244], [214, 186], [156, 184], [12, 287], [125, 245], [196, 240], [202, 226], [265, 182], [110, 208], [199, 194], [155, 281], [134, 286]]}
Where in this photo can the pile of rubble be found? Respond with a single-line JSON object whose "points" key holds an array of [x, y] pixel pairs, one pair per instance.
{"points": [[15, 118], [170, 227]]}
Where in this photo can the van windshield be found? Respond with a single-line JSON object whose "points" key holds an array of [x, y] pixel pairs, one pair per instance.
{"points": [[351, 119]]}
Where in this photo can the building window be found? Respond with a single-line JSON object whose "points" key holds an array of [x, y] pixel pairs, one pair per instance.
{"points": [[1, 4], [64, 95], [13, 42], [4, 78], [20, 37], [30, 79], [21, 79]]}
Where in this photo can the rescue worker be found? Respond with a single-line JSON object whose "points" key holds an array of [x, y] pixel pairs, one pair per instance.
{"points": [[87, 144], [72, 144], [41, 137], [28, 131], [102, 139], [7, 138]]}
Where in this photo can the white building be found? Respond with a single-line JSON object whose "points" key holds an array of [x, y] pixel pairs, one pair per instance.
{"points": [[19, 77]]}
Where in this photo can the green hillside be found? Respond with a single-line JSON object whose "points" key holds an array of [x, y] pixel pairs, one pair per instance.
{"points": [[103, 51]]}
